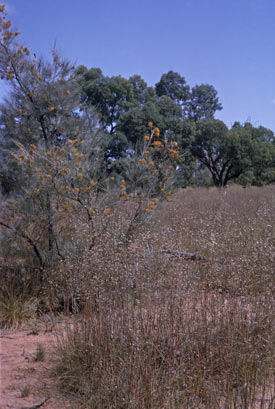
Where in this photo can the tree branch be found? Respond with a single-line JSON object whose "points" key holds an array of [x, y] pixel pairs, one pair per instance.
{"points": [[29, 240]]}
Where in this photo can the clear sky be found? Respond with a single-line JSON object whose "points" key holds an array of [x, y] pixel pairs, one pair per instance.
{"points": [[227, 43]]}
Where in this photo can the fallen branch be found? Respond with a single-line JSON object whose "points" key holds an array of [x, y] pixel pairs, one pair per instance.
{"points": [[187, 256], [38, 405]]}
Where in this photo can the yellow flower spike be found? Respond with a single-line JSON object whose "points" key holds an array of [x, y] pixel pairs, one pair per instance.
{"points": [[146, 152], [51, 109], [70, 142], [169, 199], [151, 163], [91, 212], [37, 191], [76, 189], [80, 176], [68, 188], [151, 204], [33, 146]]}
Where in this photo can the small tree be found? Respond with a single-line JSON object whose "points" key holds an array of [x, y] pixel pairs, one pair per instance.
{"points": [[65, 197]]}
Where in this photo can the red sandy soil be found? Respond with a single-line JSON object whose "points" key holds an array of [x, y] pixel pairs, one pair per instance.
{"points": [[20, 374]]}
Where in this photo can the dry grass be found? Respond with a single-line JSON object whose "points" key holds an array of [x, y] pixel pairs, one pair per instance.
{"points": [[160, 331], [15, 308]]}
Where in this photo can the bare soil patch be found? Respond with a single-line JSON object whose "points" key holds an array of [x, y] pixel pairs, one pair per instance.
{"points": [[25, 381]]}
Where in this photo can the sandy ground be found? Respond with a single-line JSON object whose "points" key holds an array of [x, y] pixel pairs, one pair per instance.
{"points": [[21, 375]]}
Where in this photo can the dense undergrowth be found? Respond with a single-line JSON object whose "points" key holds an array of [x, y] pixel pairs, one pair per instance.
{"points": [[182, 316], [177, 314]]}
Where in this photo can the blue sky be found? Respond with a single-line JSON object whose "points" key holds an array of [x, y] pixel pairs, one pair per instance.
{"points": [[227, 43]]}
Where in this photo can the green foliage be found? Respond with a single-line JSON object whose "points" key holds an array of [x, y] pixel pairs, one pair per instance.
{"points": [[241, 152], [203, 103], [174, 86]]}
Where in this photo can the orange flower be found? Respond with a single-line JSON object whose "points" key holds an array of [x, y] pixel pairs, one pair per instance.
{"points": [[148, 210], [147, 138], [91, 212], [156, 143], [124, 197], [150, 124], [156, 131], [142, 161], [68, 92], [107, 212], [175, 144]]}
